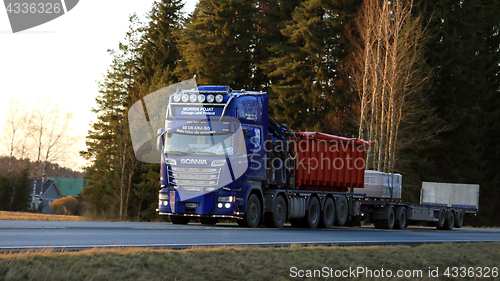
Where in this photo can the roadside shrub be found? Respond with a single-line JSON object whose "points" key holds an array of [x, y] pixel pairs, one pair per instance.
{"points": [[68, 205]]}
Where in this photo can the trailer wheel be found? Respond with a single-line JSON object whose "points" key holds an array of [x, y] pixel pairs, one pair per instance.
{"points": [[179, 220], [390, 219], [328, 214], [313, 213], [441, 218], [278, 217], [253, 213], [209, 221], [450, 221], [341, 210], [401, 220], [459, 219]]}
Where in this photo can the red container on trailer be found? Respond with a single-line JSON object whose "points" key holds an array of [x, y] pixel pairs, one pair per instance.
{"points": [[329, 163]]}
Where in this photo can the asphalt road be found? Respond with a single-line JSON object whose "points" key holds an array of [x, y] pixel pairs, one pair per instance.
{"points": [[21, 235]]}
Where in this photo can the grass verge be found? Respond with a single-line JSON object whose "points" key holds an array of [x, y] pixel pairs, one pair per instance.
{"points": [[248, 263], [4, 215]]}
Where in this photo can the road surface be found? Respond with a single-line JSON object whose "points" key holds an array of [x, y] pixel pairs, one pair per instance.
{"points": [[21, 235]]}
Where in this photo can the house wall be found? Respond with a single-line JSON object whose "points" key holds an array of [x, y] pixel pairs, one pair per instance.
{"points": [[50, 195]]}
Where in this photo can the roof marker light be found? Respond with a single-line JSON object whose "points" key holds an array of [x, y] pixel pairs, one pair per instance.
{"points": [[210, 98], [185, 98], [177, 97], [219, 98], [201, 98], [193, 98]]}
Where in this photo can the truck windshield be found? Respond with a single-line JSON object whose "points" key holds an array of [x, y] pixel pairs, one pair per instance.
{"points": [[209, 145]]}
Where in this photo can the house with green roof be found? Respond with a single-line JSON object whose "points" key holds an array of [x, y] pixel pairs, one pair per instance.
{"points": [[69, 187]]}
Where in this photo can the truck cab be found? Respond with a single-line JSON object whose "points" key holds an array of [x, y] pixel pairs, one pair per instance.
{"points": [[212, 153]]}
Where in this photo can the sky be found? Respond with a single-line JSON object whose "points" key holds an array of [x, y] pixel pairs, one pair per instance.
{"points": [[63, 59]]}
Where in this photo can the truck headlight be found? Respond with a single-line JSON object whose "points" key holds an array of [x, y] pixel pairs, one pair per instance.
{"points": [[163, 196], [226, 199]]}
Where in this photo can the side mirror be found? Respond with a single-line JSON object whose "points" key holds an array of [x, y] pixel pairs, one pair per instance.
{"points": [[159, 139]]}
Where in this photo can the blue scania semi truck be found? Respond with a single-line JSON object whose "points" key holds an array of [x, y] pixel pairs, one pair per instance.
{"points": [[223, 156]]}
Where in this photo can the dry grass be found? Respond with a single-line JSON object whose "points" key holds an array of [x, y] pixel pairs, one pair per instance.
{"points": [[241, 263], [37, 217]]}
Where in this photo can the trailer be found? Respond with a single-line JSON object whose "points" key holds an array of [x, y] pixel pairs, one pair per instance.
{"points": [[223, 156]]}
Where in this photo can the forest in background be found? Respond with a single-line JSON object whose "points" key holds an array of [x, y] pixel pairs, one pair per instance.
{"points": [[419, 79]]}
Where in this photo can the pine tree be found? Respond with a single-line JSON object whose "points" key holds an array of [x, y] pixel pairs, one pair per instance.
{"points": [[466, 77], [217, 43], [306, 66], [464, 52], [159, 46], [108, 143]]}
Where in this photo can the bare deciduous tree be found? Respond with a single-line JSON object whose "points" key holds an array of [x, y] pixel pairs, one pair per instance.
{"points": [[49, 129], [14, 130], [387, 74]]}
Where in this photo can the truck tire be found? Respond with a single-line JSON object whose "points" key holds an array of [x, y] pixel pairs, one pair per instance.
{"points": [[342, 210], [253, 213], [179, 220], [401, 219], [278, 217], [441, 218], [209, 221], [459, 219], [313, 213], [328, 214], [449, 221], [389, 220]]}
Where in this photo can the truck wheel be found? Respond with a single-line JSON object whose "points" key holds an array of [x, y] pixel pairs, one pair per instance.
{"points": [[341, 211], [459, 219], [179, 220], [278, 217], [390, 219], [401, 221], [209, 221], [441, 218], [328, 214], [253, 213], [313, 213], [450, 221]]}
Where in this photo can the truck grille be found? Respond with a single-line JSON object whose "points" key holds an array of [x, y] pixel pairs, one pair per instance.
{"points": [[193, 176]]}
